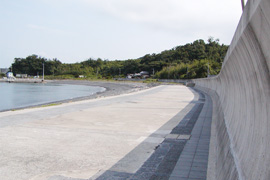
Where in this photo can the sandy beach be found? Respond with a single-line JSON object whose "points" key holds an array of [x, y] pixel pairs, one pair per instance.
{"points": [[112, 87]]}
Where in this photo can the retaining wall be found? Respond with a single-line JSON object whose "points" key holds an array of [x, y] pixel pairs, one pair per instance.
{"points": [[242, 99]]}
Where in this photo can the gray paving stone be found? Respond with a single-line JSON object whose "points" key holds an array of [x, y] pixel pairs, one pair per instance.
{"points": [[183, 155], [181, 173], [198, 143], [203, 168], [186, 137], [177, 178], [172, 136], [197, 174]]}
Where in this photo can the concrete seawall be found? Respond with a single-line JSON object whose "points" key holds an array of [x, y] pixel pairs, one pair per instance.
{"points": [[241, 95]]}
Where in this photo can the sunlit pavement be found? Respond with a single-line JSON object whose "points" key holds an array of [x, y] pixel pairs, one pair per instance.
{"points": [[86, 139]]}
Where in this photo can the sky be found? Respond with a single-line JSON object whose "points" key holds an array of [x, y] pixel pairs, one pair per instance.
{"points": [[76, 30]]}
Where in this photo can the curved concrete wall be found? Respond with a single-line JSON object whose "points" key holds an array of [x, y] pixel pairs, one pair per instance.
{"points": [[242, 99]]}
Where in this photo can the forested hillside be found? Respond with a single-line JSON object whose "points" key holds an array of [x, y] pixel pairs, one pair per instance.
{"points": [[187, 61]]}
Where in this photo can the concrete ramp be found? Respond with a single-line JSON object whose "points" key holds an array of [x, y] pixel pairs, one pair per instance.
{"points": [[241, 95]]}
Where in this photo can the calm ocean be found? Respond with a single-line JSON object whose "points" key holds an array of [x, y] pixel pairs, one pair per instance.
{"points": [[19, 95]]}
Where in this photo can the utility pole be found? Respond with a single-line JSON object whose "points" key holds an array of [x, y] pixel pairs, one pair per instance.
{"points": [[208, 70], [43, 73], [119, 72], [243, 4]]}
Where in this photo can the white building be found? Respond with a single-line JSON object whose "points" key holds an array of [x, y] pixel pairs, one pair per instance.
{"points": [[10, 75], [21, 75]]}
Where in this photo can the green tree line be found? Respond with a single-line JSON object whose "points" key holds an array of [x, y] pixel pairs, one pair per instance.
{"points": [[187, 61]]}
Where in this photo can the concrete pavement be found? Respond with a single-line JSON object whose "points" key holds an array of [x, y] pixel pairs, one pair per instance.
{"points": [[84, 139]]}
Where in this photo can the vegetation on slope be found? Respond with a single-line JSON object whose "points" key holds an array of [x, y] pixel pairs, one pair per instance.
{"points": [[187, 61]]}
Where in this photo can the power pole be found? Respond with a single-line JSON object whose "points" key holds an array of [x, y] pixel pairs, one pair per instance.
{"points": [[43, 73], [208, 70]]}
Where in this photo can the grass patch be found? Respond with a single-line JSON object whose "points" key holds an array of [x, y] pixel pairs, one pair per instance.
{"points": [[49, 105], [150, 81]]}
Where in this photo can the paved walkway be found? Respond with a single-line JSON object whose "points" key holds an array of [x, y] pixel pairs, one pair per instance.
{"points": [[159, 133], [193, 161], [183, 155], [87, 139]]}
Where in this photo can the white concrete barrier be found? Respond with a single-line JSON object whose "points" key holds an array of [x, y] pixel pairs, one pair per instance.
{"points": [[241, 93]]}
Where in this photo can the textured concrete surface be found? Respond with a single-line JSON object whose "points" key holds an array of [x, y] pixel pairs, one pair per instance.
{"points": [[193, 161], [90, 138], [183, 154], [241, 94]]}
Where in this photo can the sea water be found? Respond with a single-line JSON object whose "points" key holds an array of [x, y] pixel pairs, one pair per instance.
{"points": [[20, 95]]}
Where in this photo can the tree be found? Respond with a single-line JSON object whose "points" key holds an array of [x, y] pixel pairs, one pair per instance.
{"points": [[172, 63]]}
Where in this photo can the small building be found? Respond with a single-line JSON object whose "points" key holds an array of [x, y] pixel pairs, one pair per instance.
{"points": [[130, 76], [137, 75], [10, 75], [144, 74], [81, 76], [21, 75]]}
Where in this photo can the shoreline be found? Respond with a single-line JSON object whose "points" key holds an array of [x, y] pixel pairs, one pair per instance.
{"points": [[112, 89], [26, 80]]}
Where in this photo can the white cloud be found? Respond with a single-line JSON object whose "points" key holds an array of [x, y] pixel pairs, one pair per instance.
{"points": [[171, 16], [188, 17], [115, 29]]}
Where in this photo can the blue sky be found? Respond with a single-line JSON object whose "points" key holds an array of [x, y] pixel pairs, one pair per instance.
{"points": [[75, 30]]}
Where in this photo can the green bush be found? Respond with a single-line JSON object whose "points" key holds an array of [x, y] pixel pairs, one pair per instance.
{"points": [[196, 69], [150, 80]]}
